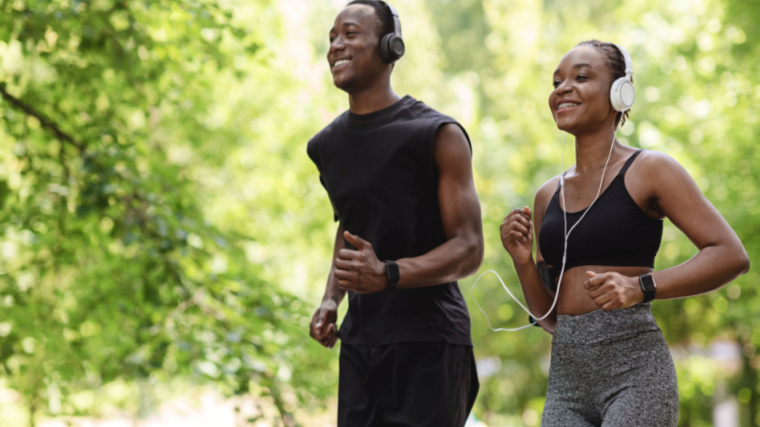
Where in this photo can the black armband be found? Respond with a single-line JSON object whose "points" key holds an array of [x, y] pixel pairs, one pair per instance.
{"points": [[548, 275], [533, 321]]}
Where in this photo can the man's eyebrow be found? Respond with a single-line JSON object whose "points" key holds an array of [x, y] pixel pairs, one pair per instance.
{"points": [[346, 24]]}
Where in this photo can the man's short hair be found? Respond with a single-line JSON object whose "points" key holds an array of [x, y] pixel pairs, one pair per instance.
{"points": [[383, 13]]}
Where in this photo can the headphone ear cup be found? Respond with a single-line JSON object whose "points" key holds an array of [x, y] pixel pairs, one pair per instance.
{"points": [[385, 53], [622, 94], [391, 47]]}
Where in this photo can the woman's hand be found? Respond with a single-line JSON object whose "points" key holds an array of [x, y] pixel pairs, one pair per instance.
{"points": [[612, 291], [517, 235]]}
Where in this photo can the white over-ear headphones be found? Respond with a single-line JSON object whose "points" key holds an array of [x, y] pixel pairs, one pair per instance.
{"points": [[622, 94]]}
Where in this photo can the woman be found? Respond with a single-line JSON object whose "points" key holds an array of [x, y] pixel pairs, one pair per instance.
{"points": [[610, 364]]}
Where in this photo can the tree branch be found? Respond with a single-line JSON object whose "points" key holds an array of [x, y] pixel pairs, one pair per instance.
{"points": [[44, 121]]}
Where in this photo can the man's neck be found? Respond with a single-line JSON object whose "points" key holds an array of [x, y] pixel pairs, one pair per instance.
{"points": [[369, 101]]}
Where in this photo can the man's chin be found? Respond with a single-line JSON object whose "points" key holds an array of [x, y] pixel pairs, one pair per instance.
{"points": [[343, 84]]}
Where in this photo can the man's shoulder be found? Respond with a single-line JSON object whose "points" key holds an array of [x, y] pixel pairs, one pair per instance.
{"points": [[424, 119], [336, 125], [420, 109]]}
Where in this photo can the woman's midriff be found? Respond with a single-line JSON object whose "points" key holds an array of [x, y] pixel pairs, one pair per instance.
{"points": [[573, 296]]}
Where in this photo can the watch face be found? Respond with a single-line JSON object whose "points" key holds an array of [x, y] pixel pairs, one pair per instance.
{"points": [[647, 286], [392, 272], [648, 283]]}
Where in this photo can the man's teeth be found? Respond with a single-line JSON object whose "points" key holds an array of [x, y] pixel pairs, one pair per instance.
{"points": [[340, 62], [566, 105]]}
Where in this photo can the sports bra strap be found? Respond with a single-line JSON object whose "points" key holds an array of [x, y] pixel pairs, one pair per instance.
{"points": [[622, 170], [559, 183], [628, 162]]}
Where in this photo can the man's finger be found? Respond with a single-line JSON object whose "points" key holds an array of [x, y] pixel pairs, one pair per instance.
{"points": [[327, 333], [318, 319], [345, 284], [354, 240], [319, 328], [342, 264], [332, 329], [344, 275], [347, 254]]}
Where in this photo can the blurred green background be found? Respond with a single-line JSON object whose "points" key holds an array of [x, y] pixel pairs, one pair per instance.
{"points": [[163, 230]]}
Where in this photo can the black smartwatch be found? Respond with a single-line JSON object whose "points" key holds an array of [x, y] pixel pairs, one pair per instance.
{"points": [[392, 274], [647, 286]]}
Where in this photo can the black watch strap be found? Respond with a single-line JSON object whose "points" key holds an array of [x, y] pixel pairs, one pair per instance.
{"points": [[646, 281], [392, 274]]}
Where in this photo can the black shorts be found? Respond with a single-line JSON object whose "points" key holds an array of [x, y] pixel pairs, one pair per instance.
{"points": [[406, 384]]}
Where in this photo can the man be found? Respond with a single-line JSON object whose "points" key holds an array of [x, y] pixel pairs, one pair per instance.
{"points": [[399, 177]]}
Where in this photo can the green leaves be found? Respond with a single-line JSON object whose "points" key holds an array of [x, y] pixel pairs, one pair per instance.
{"points": [[112, 267]]}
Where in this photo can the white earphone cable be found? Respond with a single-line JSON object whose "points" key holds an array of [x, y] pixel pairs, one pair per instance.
{"points": [[564, 254]]}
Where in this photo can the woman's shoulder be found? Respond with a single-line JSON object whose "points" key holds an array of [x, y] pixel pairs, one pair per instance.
{"points": [[653, 158], [550, 186], [653, 164], [545, 193], [656, 176]]}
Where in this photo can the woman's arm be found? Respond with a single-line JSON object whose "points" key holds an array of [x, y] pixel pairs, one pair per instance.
{"points": [[721, 257], [517, 236], [672, 193]]}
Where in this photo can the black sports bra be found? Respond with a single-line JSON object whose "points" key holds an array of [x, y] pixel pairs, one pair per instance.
{"points": [[615, 232]]}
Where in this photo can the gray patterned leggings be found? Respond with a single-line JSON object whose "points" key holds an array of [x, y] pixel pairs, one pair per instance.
{"points": [[611, 369]]}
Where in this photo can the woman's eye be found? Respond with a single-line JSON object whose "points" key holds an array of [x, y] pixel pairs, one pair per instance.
{"points": [[556, 83], [582, 77]]}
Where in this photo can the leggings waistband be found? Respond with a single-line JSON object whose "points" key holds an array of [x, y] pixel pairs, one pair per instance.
{"points": [[599, 325]]}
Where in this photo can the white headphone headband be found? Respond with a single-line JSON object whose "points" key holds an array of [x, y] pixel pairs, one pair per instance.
{"points": [[627, 58]]}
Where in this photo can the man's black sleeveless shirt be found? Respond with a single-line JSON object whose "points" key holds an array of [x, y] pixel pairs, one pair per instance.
{"points": [[380, 174]]}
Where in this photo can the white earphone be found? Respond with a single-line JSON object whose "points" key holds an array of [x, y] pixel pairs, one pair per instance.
{"points": [[622, 94]]}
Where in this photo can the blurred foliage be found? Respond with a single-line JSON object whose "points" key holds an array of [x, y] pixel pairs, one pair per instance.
{"points": [[160, 218], [117, 122]]}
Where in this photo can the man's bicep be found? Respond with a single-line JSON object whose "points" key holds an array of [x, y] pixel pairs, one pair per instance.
{"points": [[460, 208]]}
